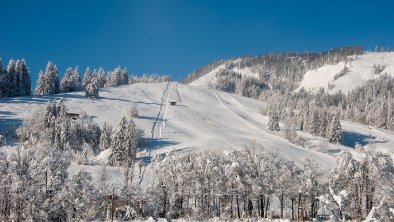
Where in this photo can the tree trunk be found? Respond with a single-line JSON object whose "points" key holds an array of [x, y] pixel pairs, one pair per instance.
{"points": [[281, 204], [238, 211], [300, 210], [250, 208], [262, 199], [292, 208], [267, 207]]}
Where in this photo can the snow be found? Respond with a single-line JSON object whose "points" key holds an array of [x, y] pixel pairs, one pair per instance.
{"points": [[360, 71], [208, 78], [319, 78], [201, 119]]}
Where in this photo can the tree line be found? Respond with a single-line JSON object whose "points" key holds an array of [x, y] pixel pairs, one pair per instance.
{"points": [[197, 185], [15, 80]]}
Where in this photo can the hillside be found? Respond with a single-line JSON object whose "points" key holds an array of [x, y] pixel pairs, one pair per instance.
{"points": [[213, 125], [342, 72], [202, 119], [363, 68]]}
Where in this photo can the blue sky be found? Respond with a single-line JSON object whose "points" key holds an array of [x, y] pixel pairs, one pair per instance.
{"points": [[176, 37]]}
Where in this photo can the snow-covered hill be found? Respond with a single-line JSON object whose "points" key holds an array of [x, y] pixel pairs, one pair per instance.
{"points": [[201, 119], [355, 72], [363, 68]]}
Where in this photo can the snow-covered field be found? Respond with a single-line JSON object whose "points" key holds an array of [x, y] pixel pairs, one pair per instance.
{"points": [[201, 119]]}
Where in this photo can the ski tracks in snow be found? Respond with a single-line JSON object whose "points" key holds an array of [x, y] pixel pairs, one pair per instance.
{"points": [[263, 132], [151, 146], [201, 126]]}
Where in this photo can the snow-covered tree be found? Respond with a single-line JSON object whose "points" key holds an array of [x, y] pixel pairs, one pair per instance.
{"points": [[80, 198], [52, 83], [273, 118], [123, 143], [86, 78], [390, 115], [124, 77], [92, 89], [24, 78], [12, 78], [335, 132], [77, 79], [311, 186], [105, 138], [67, 83], [102, 79], [41, 84]]}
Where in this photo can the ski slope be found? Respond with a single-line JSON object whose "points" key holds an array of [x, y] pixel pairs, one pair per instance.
{"points": [[201, 119], [360, 71]]}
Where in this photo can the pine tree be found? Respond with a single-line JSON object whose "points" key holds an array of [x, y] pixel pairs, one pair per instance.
{"points": [[61, 126], [115, 77], [124, 77], [52, 83], [77, 84], [273, 119], [390, 115], [335, 133], [18, 74], [4, 81], [12, 79], [86, 78], [26, 78], [132, 138], [313, 125], [92, 89], [323, 124], [41, 84], [119, 148], [101, 77], [123, 144], [105, 137], [67, 83]]}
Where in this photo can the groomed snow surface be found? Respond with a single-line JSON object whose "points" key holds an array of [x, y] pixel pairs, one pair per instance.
{"points": [[201, 119]]}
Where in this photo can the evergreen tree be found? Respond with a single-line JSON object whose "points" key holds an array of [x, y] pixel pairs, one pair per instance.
{"points": [[273, 118], [67, 83], [86, 78], [52, 83], [25, 78], [4, 81], [314, 124], [18, 74], [77, 84], [390, 115], [105, 137], [41, 84], [92, 89], [335, 133], [323, 124], [124, 77], [115, 78], [12, 79], [123, 144], [101, 77]]}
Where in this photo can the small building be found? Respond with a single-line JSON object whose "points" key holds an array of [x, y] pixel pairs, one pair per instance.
{"points": [[172, 102], [73, 116]]}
